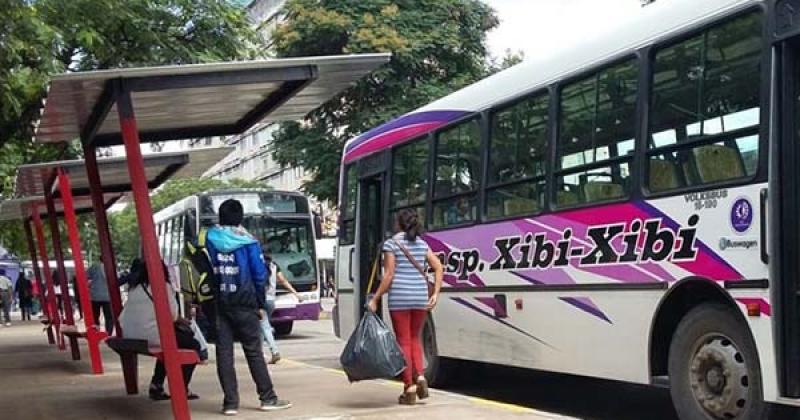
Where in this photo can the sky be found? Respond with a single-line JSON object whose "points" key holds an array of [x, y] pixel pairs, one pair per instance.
{"points": [[540, 27]]}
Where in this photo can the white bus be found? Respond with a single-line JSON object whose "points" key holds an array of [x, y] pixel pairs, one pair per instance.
{"points": [[282, 221], [627, 209]]}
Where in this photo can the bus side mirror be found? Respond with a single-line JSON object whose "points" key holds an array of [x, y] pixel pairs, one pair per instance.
{"points": [[317, 225]]}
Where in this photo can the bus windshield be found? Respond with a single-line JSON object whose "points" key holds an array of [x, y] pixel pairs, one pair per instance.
{"points": [[290, 244], [256, 202]]}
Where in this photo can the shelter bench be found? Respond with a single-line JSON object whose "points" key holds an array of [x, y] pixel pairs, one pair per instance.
{"points": [[129, 350], [73, 334]]}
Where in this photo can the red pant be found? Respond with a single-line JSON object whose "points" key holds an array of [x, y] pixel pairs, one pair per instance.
{"points": [[407, 327]]}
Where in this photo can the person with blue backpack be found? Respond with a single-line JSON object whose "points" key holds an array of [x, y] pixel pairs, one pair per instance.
{"points": [[241, 278]]}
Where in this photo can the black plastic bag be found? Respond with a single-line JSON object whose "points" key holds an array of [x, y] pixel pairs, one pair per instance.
{"points": [[372, 351]]}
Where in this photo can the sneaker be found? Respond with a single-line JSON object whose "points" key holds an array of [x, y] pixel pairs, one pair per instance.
{"points": [[8, 324], [230, 411], [156, 393], [275, 405], [276, 357]]}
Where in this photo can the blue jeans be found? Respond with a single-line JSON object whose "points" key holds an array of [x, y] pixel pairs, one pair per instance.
{"points": [[266, 328]]}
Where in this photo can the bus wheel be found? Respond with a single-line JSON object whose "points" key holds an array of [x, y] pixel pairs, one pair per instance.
{"points": [[435, 366], [284, 328], [713, 367]]}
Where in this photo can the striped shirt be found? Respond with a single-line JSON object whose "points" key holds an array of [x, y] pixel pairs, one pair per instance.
{"points": [[409, 288]]}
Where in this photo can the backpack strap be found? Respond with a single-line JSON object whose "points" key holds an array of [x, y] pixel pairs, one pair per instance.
{"points": [[201, 238]]}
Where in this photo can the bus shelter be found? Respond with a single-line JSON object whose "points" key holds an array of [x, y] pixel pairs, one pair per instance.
{"points": [[63, 189], [131, 106]]}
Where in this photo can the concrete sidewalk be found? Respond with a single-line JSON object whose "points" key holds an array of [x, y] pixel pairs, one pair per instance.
{"points": [[37, 381]]}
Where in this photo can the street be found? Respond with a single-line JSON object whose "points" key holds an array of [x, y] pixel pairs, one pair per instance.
{"points": [[314, 343]]}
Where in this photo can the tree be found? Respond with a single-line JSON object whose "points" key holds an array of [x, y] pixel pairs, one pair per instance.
{"points": [[509, 59], [438, 46], [125, 229], [39, 38]]}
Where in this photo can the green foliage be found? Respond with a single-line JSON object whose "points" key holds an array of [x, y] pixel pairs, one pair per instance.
{"points": [[125, 229], [438, 46], [509, 59], [39, 38]]}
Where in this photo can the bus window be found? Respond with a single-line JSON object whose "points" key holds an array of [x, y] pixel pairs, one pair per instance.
{"points": [[597, 123], [410, 174], [347, 228], [410, 178], [190, 225], [457, 176], [706, 93], [517, 158]]}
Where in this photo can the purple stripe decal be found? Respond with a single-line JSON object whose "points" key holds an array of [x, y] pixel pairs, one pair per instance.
{"points": [[703, 249], [470, 305], [585, 304], [405, 120], [762, 303]]}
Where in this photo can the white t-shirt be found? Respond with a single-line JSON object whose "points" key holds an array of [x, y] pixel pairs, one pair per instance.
{"points": [[272, 285], [138, 317], [5, 283]]}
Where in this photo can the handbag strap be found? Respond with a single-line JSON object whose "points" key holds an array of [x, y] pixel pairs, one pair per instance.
{"points": [[411, 258]]}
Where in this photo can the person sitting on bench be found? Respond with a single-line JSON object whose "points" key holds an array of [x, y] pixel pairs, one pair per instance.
{"points": [[138, 321]]}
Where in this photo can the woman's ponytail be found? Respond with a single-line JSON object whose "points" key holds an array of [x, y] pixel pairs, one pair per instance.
{"points": [[408, 221]]}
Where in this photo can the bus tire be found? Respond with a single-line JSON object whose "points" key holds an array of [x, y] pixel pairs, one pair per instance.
{"points": [[714, 371], [284, 328], [436, 367]]}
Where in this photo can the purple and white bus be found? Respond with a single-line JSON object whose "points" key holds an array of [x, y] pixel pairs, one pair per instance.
{"points": [[627, 209], [284, 224]]}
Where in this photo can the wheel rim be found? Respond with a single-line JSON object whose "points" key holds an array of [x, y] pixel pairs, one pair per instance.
{"points": [[718, 377]]}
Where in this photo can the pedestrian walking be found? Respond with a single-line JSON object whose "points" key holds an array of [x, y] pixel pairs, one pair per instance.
{"points": [[406, 282], [275, 276], [6, 295], [98, 292], [57, 289], [241, 276], [24, 291], [138, 320], [77, 297]]}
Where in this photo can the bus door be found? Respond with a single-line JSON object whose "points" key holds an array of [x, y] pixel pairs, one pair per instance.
{"points": [[370, 227], [784, 200]]}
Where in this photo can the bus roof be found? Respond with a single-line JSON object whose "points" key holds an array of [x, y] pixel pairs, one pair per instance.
{"points": [[190, 201], [655, 22]]}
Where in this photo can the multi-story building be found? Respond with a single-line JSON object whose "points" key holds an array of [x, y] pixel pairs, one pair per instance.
{"points": [[252, 158]]}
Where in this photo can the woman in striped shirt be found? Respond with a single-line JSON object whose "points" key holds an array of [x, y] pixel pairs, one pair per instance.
{"points": [[409, 302]]}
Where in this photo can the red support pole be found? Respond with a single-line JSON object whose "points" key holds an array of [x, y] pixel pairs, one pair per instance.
{"points": [[58, 253], [144, 215], [38, 290], [93, 336], [54, 316], [106, 248]]}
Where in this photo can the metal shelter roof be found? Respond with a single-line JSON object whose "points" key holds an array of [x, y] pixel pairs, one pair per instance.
{"points": [[114, 175], [20, 208], [189, 101]]}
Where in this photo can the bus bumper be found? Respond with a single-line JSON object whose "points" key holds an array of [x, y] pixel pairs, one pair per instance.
{"points": [[301, 312]]}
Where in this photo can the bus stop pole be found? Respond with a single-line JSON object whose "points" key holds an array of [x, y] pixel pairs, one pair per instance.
{"points": [[39, 292], [54, 317], [93, 336], [149, 241], [58, 253], [103, 235]]}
